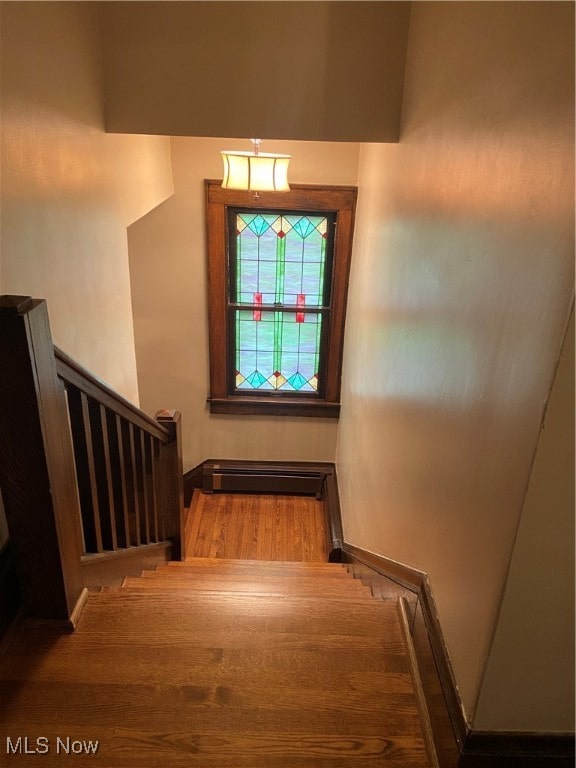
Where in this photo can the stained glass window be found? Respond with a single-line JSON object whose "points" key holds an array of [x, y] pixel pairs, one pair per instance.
{"points": [[278, 291], [278, 269]]}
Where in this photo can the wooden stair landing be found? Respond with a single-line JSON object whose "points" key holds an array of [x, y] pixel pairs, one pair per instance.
{"points": [[218, 664], [257, 527]]}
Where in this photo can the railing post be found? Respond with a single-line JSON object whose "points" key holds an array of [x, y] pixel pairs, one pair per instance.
{"points": [[37, 465], [172, 482]]}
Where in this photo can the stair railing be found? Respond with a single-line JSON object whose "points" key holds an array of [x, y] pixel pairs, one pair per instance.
{"points": [[86, 477]]}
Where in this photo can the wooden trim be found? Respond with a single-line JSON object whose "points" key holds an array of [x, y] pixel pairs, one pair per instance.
{"points": [[410, 578], [110, 568], [72, 372], [332, 511], [457, 745], [448, 714], [489, 749], [68, 624], [417, 682], [313, 197], [516, 743], [274, 406], [78, 609], [445, 735], [192, 479]]}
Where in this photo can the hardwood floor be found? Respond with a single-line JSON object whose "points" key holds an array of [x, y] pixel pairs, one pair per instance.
{"points": [[175, 670], [253, 527]]}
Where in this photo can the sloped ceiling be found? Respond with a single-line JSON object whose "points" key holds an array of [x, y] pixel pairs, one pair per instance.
{"points": [[330, 71]]}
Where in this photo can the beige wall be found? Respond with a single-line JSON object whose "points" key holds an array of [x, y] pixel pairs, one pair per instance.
{"points": [[68, 189], [461, 286], [168, 272], [537, 615], [286, 69]]}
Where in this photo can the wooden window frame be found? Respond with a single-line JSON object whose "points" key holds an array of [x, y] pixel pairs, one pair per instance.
{"points": [[301, 197]]}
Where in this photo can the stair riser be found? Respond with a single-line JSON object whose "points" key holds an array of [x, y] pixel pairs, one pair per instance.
{"points": [[304, 581], [231, 562], [241, 570], [255, 589]]}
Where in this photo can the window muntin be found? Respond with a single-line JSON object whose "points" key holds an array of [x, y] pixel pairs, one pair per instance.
{"points": [[280, 265]]}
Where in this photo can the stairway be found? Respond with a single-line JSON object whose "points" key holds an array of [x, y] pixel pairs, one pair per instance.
{"points": [[217, 664]]}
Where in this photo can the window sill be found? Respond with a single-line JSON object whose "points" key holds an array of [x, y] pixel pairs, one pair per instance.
{"points": [[265, 406]]}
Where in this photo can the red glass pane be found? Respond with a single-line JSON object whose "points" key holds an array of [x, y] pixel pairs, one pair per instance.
{"points": [[300, 302], [258, 301]]}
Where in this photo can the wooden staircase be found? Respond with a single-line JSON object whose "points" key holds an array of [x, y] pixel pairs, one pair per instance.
{"points": [[218, 663], [206, 663]]}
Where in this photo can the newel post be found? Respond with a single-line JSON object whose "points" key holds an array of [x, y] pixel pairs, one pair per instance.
{"points": [[172, 481], [37, 474]]}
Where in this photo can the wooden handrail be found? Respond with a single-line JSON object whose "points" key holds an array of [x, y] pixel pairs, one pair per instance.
{"points": [[73, 372]]}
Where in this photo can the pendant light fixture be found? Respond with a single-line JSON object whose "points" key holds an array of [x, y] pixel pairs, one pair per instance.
{"points": [[255, 171]]}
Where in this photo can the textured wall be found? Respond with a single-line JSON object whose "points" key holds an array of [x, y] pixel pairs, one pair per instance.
{"points": [[68, 189], [168, 272], [462, 280]]}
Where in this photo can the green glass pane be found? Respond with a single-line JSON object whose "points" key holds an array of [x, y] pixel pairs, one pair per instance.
{"points": [[258, 225], [304, 227], [281, 257], [277, 352]]}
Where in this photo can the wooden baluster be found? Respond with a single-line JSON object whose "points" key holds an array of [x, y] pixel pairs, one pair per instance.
{"points": [[151, 487], [85, 469], [114, 431], [143, 485], [132, 473], [101, 442], [171, 485], [36, 465], [159, 501], [130, 514]]}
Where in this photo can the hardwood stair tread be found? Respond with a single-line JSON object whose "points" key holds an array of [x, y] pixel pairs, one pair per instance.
{"points": [[178, 709], [310, 586], [150, 599], [153, 608], [175, 576], [230, 562], [224, 664], [234, 569], [243, 590], [137, 659]]}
